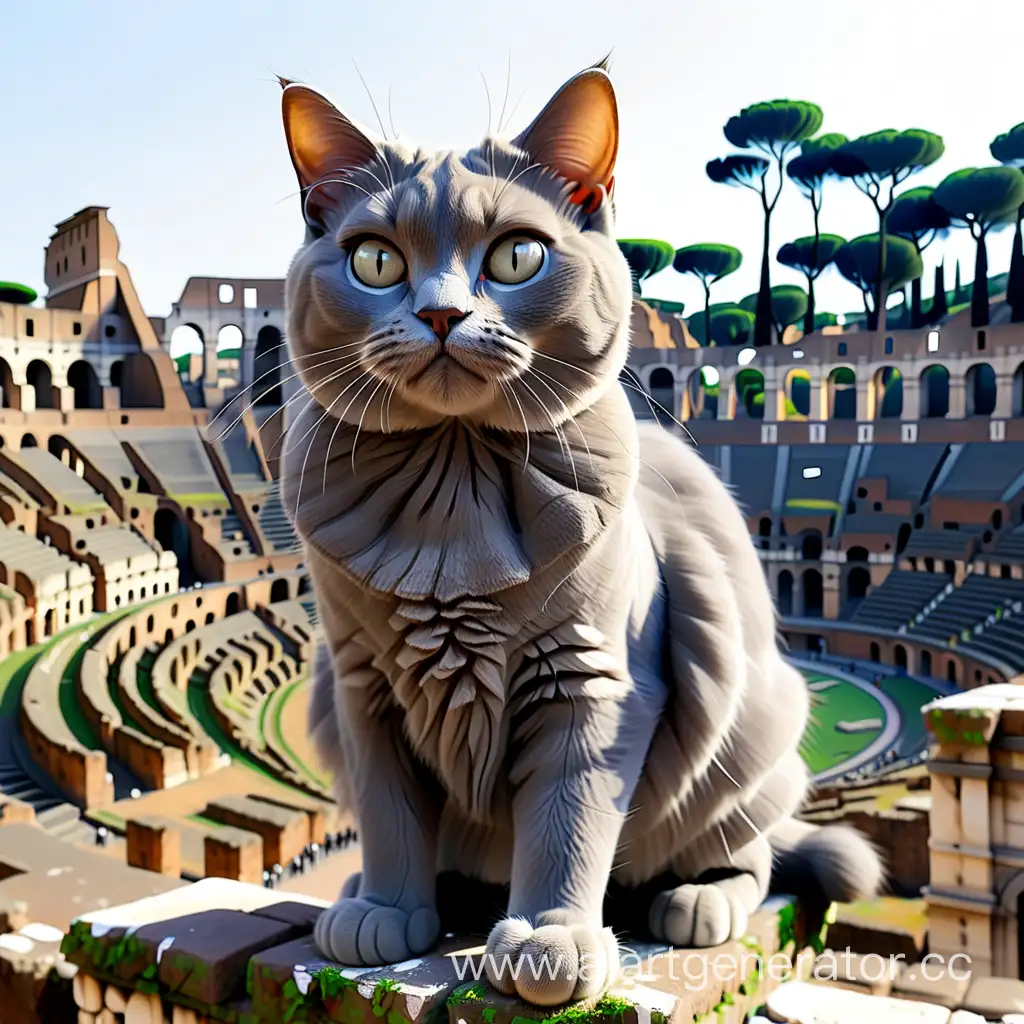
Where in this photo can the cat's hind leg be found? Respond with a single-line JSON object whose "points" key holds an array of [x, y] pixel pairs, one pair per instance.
{"points": [[716, 906]]}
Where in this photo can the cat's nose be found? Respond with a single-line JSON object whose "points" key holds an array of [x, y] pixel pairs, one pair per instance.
{"points": [[442, 321]]}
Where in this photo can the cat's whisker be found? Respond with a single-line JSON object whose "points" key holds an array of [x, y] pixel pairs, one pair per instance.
{"points": [[316, 426], [526, 427], [256, 401], [563, 442], [725, 842], [284, 433], [220, 412], [370, 95], [511, 181], [341, 420], [539, 374], [487, 93], [359, 426], [330, 378], [562, 582], [504, 102], [391, 120]]}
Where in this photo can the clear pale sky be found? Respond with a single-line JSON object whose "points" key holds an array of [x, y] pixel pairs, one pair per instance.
{"points": [[169, 113]]}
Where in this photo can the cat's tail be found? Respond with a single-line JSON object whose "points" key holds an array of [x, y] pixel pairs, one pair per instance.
{"points": [[833, 862]]}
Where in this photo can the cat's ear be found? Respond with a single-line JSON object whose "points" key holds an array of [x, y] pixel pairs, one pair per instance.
{"points": [[577, 135], [323, 144]]}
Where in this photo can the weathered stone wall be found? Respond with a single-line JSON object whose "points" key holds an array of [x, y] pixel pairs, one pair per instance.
{"points": [[238, 953]]}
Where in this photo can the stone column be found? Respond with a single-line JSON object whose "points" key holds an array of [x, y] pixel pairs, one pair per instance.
{"points": [[1004, 397], [911, 399], [28, 397], [819, 398], [864, 413], [957, 398]]}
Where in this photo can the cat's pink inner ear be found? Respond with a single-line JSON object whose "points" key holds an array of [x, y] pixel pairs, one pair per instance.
{"points": [[577, 133], [322, 141]]}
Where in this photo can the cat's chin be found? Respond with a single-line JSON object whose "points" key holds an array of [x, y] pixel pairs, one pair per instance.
{"points": [[448, 388]]}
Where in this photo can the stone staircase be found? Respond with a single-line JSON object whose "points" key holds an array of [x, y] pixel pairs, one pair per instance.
{"points": [[274, 521]]}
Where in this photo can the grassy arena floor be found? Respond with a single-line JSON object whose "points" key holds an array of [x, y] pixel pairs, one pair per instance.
{"points": [[824, 746]]}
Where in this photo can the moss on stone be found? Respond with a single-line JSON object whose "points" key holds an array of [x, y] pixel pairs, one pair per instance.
{"points": [[467, 993]]}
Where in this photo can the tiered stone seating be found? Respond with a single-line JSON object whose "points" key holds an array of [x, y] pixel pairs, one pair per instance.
{"points": [[126, 567], [906, 478], [104, 450], [1010, 545], [80, 772], [967, 606], [59, 590], [985, 472], [955, 544], [65, 489], [900, 597], [752, 475], [274, 522]]}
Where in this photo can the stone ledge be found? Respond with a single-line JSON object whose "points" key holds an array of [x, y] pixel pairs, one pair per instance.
{"points": [[220, 950]]}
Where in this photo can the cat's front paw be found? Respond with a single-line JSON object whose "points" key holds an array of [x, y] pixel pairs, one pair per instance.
{"points": [[697, 916], [360, 932], [551, 964]]}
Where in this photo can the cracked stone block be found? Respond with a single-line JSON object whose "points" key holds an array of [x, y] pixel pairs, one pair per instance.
{"points": [[856, 971], [931, 983], [295, 979], [799, 1002], [994, 997], [203, 956]]}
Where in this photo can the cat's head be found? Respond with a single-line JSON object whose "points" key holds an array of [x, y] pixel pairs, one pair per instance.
{"points": [[485, 285]]}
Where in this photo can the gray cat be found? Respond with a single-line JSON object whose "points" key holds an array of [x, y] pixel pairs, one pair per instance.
{"points": [[551, 658]]}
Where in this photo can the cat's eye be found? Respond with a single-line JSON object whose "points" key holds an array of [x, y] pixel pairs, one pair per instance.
{"points": [[377, 264], [515, 260]]}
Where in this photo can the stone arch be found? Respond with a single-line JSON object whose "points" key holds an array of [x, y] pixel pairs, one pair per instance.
{"points": [[40, 378], [784, 589], [748, 394], [857, 554], [186, 341], [231, 356], [841, 389], [858, 582], [796, 395], [887, 393], [279, 590], [83, 381], [764, 532], [875, 651], [29, 441], [934, 392], [1017, 399], [140, 383], [232, 604], [814, 594], [811, 545], [702, 391], [662, 388], [266, 387], [899, 656], [171, 533], [635, 392], [980, 390], [10, 393]]}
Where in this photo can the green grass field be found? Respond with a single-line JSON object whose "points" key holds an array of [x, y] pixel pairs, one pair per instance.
{"points": [[823, 746]]}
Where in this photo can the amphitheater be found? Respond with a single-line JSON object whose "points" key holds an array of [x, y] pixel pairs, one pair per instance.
{"points": [[156, 627]]}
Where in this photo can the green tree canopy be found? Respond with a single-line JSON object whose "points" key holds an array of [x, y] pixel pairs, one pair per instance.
{"points": [[789, 303], [877, 163], [708, 262], [816, 162], [1008, 149], [810, 255], [646, 257], [739, 169], [18, 294], [981, 199], [915, 215], [773, 129], [730, 325], [858, 262], [825, 320]]}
